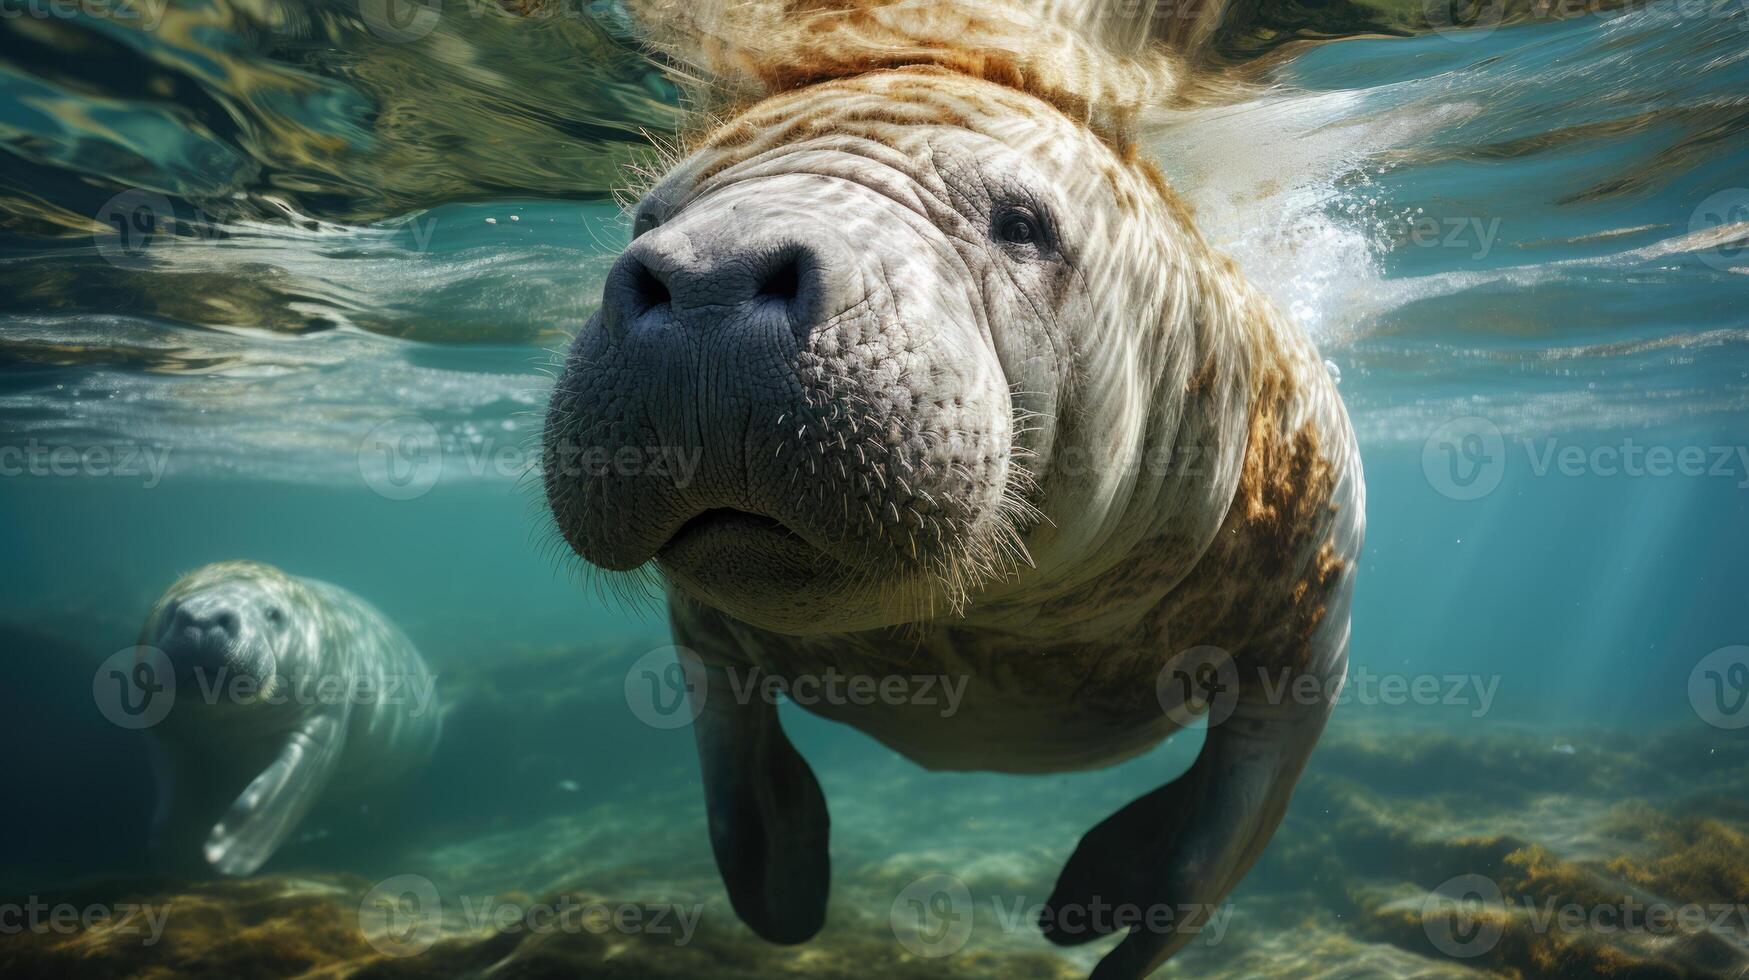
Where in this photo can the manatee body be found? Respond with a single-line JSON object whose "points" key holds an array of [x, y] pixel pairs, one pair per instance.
{"points": [[971, 396], [287, 691]]}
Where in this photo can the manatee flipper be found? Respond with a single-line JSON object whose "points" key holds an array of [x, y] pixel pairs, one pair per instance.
{"points": [[1185, 845], [267, 812], [767, 815]]}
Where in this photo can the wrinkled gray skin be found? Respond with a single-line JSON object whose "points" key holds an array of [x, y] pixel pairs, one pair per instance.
{"points": [[288, 691], [921, 364]]}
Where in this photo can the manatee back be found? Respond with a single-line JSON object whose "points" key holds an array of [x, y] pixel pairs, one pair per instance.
{"points": [[396, 717]]}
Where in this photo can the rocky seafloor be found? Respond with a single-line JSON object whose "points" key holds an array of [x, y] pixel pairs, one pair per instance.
{"points": [[1410, 851]]}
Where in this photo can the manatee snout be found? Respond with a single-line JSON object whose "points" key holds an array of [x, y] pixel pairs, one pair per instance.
{"points": [[212, 631], [787, 397], [772, 277]]}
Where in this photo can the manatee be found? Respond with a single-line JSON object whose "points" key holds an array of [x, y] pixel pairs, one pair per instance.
{"points": [[287, 691], [970, 396]]}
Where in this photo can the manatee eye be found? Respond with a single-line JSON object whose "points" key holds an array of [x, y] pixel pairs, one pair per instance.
{"points": [[275, 615], [1019, 227], [644, 222]]}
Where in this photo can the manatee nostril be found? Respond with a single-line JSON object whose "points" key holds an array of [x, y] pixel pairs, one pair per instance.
{"points": [[226, 621], [632, 290], [784, 280], [650, 291]]}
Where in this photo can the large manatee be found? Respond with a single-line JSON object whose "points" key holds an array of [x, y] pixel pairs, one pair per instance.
{"points": [[970, 396]]}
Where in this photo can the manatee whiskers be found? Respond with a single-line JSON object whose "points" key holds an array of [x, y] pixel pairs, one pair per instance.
{"points": [[635, 591], [941, 335], [664, 153], [970, 562]]}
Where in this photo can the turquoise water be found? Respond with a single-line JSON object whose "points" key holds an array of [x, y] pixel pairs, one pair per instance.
{"points": [[1528, 241]]}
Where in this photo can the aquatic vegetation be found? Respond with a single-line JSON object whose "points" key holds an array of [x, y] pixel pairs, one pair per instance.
{"points": [[1700, 858], [1346, 892]]}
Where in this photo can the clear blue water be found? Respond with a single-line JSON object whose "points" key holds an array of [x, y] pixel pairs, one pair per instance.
{"points": [[1539, 227]]}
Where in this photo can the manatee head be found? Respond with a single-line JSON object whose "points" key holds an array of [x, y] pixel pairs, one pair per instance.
{"points": [[235, 620], [883, 344]]}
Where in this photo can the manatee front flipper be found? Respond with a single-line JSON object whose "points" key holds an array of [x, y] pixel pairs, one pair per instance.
{"points": [[767, 815], [1179, 850], [273, 805]]}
